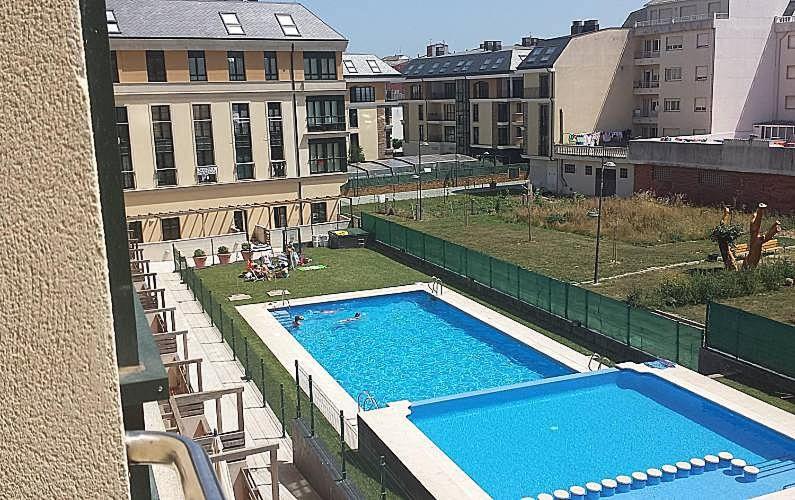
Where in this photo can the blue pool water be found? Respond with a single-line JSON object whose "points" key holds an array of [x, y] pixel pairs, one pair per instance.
{"points": [[412, 346], [557, 433]]}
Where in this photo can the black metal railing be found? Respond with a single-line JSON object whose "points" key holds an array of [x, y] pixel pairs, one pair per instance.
{"points": [[278, 168], [325, 123]]}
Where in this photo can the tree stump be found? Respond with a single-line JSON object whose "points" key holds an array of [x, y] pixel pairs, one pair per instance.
{"points": [[756, 239], [725, 245]]}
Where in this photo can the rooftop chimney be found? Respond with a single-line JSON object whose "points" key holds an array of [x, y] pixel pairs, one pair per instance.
{"points": [[576, 27], [491, 45], [590, 25], [437, 49], [528, 41]]}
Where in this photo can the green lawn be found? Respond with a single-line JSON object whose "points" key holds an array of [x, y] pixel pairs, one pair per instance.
{"points": [[553, 253]]}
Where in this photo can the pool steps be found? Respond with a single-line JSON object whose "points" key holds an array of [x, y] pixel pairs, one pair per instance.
{"points": [[609, 487], [283, 317]]}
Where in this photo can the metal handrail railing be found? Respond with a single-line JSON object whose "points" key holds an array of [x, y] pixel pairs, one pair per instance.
{"points": [[161, 448]]}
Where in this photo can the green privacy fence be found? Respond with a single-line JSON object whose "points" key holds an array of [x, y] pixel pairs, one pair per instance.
{"points": [[639, 328], [751, 338], [447, 171]]}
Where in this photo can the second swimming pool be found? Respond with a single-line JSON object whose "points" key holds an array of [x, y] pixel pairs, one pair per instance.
{"points": [[413, 346]]}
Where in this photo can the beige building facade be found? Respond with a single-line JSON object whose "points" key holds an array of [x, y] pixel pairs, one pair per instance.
{"points": [[228, 132]]}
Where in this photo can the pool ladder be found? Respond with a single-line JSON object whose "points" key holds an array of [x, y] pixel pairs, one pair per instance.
{"points": [[364, 398], [285, 300], [436, 286], [600, 360]]}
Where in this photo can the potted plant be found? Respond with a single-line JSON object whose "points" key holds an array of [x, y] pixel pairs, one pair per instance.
{"points": [[245, 251], [224, 255], [199, 258]]}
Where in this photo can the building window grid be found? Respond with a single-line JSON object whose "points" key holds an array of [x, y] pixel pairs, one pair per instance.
{"points": [[623, 173], [662, 174], [271, 66], [155, 66], [362, 94], [197, 66], [674, 42], [353, 118], [170, 228], [327, 156], [325, 113], [241, 124], [319, 212], [475, 112], [569, 168], [712, 178], [237, 66], [165, 169], [703, 40], [276, 140], [206, 171], [125, 151], [114, 66], [673, 74], [279, 217], [320, 66], [700, 105], [672, 105], [588, 169]]}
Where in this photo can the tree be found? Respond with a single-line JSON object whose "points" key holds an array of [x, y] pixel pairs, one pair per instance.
{"points": [[757, 240], [725, 234], [397, 143], [355, 155]]}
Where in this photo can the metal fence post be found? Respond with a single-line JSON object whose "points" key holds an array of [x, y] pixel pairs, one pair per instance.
{"points": [[297, 392], [209, 309], [677, 342], [587, 293], [234, 345], [383, 470], [342, 444], [491, 274], [281, 401], [629, 328], [705, 331], [262, 380], [311, 408], [566, 309], [246, 372]]}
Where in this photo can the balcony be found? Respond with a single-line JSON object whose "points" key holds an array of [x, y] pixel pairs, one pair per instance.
{"points": [[647, 54], [244, 171], [278, 169], [591, 151], [517, 119], [698, 21], [128, 180], [645, 116], [395, 95], [646, 87], [536, 93], [440, 117], [325, 123], [207, 174]]}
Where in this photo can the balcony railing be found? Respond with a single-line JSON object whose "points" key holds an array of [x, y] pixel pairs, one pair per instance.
{"points": [[395, 95], [244, 171], [442, 95], [440, 117], [785, 19], [325, 123], [647, 84], [677, 20], [592, 151], [641, 113], [517, 118], [128, 180], [647, 54], [536, 93], [278, 168], [207, 174]]}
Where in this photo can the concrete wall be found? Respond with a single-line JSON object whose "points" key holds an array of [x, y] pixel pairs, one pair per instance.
{"points": [[62, 427], [368, 132], [583, 183]]}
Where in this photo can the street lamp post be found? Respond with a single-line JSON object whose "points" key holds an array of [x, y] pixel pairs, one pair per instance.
{"points": [[418, 175], [609, 164]]}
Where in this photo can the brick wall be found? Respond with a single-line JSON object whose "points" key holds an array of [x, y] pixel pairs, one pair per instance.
{"points": [[714, 187]]}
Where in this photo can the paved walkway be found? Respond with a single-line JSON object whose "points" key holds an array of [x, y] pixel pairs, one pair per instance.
{"points": [[219, 371]]}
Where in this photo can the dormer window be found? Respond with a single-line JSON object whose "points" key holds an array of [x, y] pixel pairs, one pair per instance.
{"points": [[288, 25], [349, 66], [232, 23], [113, 24], [373, 65]]}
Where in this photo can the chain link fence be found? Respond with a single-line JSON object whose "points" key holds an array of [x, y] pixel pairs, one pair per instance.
{"points": [[638, 328]]}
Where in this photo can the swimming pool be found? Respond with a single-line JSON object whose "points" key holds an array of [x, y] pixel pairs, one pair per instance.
{"points": [[413, 346], [553, 434]]}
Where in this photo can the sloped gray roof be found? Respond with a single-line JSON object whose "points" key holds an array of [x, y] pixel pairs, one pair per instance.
{"points": [[476, 62], [545, 53], [201, 19], [362, 69]]}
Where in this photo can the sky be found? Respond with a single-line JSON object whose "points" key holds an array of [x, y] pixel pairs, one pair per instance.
{"points": [[407, 26]]}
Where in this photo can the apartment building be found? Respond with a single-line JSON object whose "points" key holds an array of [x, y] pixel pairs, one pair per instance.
{"points": [[697, 63], [372, 104], [230, 116], [577, 97], [467, 103]]}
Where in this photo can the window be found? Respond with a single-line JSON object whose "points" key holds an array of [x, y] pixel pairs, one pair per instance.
{"points": [[569, 168], [699, 131], [319, 214], [237, 66], [113, 23], [114, 66], [702, 73], [482, 90], [475, 113], [327, 156], [289, 27], [388, 116], [673, 74], [206, 170], [703, 39], [421, 112], [276, 135], [373, 65], [137, 229], [674, 42], [623, 173], [475, 135], [155, 66], [449, 112], [354, 141], [502, 112], [790, 72], [789, 102], [166, 171], [241, 124], [125, 153], [325, 113], [517, 132], [279, 216], [271, 69], [353, 118], [700, 105], [449, 134], [197, 66], [240, 218], [170, 228], [662, 174], [362, 94], [349, 66], [588, 169], [415, 91], [712, 177], [232, 23], [320, 66], [672, 105], [791, 42]]}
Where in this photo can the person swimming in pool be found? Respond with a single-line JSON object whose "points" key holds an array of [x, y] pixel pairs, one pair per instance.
{"points": [[356, 317], [297, 321]]}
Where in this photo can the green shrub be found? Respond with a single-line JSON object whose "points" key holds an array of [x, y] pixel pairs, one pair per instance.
{"points": [[199, 253], [556, 218]]}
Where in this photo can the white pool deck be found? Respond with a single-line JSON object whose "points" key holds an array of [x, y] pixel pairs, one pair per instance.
{"points": [[430, 465]]}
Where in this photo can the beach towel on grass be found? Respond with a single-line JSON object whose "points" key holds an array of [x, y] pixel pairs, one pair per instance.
{"points": [[311, 268]]}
